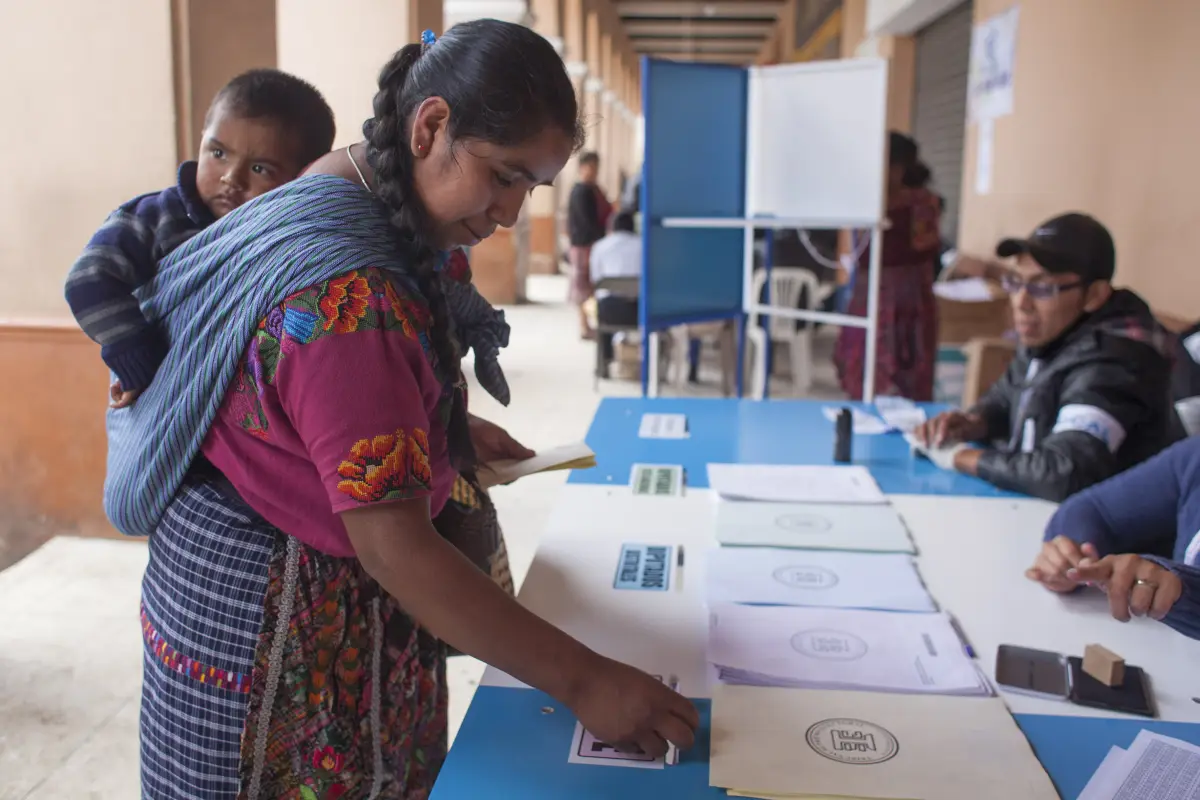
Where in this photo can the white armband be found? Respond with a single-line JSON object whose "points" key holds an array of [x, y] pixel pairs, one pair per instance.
{"points": [[1093, 421]]}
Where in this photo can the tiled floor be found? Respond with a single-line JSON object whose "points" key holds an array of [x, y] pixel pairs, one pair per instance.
{"points": [[70, 654]]}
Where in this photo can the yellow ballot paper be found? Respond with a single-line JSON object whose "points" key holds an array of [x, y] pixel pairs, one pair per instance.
{"points": [[570, 456], [792, 743]]}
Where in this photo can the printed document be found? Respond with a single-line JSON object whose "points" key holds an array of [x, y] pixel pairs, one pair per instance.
{"points": [[775, 576], [779, 743], [837, 648], [1155, 767], [794, 484]]}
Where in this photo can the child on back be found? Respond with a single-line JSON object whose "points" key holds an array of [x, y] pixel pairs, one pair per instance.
{"points": [[262, 129]]}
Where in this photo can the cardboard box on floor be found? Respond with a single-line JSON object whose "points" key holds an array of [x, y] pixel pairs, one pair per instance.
{"points": [[959, 322]]}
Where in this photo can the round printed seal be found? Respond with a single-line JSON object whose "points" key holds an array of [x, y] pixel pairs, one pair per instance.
{"points": [[852, 741], [803, 523], [805, 576], [829, 645]]}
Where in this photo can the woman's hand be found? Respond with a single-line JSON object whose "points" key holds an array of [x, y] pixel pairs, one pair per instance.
{"points": [[1135, 586], [1058, 556], [493, 443], [627, 708]]}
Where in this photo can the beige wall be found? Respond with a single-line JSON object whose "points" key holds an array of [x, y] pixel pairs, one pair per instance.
{"points": [[89, 123], [1106, 114], [340, 47]]}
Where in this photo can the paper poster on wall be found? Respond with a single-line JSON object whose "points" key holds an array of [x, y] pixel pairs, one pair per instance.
{"points": [[985, 133], [993, 57]]}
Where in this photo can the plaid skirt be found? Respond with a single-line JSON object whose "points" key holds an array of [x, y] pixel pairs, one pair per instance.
{"points": [[273, 670]]}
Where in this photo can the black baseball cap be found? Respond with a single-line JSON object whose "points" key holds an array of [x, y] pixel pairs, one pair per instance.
{"points": [[1072, 243]]}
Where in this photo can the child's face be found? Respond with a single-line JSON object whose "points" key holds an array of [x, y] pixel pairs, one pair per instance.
{"points": [[242, 158]]}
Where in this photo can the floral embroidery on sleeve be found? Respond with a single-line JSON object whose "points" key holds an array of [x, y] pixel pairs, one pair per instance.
{"points": [[391, 466]]}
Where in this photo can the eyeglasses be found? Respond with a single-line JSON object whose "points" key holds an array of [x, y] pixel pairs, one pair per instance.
{"points": [[1038, 289]]}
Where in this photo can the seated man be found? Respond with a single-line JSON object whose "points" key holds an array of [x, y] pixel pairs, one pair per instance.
{"points": [[617, 255], [1088, 394], [1154, 510]]}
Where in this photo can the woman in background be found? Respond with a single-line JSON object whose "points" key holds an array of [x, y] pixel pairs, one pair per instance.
{"points": [[906, 328]]}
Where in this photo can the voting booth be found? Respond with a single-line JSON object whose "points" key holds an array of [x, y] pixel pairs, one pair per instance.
{"points": [[729, 150]]}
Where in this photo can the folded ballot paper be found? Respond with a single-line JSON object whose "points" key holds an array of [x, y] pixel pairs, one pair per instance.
{"points": [[830, 526], [792, 743], [776, 576], [837, 648], [571, 456]]}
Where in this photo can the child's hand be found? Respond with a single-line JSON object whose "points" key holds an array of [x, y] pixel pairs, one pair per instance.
{"points": [[627, 708], [119, 398]]}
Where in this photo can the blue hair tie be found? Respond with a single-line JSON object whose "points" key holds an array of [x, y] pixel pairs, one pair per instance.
{"points": [[427, 40]]}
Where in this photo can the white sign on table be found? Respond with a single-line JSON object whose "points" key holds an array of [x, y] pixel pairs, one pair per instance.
{"points": [[770, 483], [993, 58], [663, 426]]}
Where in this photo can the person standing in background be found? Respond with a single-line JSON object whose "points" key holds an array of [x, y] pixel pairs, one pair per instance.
{"points": [[906, 326], [587, 215]]}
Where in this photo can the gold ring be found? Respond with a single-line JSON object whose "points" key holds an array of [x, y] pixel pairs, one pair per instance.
{"points": [[1143, 582]]}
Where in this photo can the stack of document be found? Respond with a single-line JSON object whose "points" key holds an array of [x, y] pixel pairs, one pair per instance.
{"points": [[1154, 766], [832, 526], [827, 648], [769, 576], [794, 484], [779, 743]]}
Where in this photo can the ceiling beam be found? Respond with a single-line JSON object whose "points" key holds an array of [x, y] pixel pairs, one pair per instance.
{"points": [[709, 58], [747, 9], [698, 45], [697, 28]]}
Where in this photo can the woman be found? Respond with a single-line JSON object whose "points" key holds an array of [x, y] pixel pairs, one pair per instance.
{"points": [[906, 326], [1152, 509], [298, 605]]}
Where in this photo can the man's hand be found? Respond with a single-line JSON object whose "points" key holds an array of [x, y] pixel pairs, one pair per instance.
{"points": [[1135, 586], [119, 398], [493, 443], [1058, 557], [951, 427]]}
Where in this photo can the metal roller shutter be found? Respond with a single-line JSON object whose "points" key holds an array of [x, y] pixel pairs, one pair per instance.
{"points": [[940, 107]]}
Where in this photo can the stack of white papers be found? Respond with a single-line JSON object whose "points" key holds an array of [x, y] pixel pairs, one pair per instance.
{"points": [[900, 413], [826, 648], [794, 484], [570, 456], [777, 743], [812, 525], [815, 578], [1154, 767]]}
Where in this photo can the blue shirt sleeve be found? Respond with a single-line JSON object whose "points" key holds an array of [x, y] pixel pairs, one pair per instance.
{"points": [[1134, 512], [1184, 616]]}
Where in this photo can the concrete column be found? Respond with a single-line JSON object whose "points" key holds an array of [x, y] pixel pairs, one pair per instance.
{"points": [[543, 205], [574, 27], [213, 42], [608, 154], [595, 76]]}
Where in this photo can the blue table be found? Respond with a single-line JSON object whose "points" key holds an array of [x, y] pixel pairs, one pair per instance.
{"points": [[511, 743]]}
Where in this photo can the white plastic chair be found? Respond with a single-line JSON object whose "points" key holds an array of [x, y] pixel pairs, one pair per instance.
{"points": [[726, 340], [787, 286]]}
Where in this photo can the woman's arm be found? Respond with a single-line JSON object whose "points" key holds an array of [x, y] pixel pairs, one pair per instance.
{"points": [[1134, 512], [443, 591]]}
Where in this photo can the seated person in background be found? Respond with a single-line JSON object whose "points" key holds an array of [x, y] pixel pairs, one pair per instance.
{"points": [[1152, 510], [617, 255], [1088, 394]]}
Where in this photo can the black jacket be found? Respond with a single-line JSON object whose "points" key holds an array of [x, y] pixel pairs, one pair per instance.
{"points": [[583, 216], [1185, 381], [1099, 402]]}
